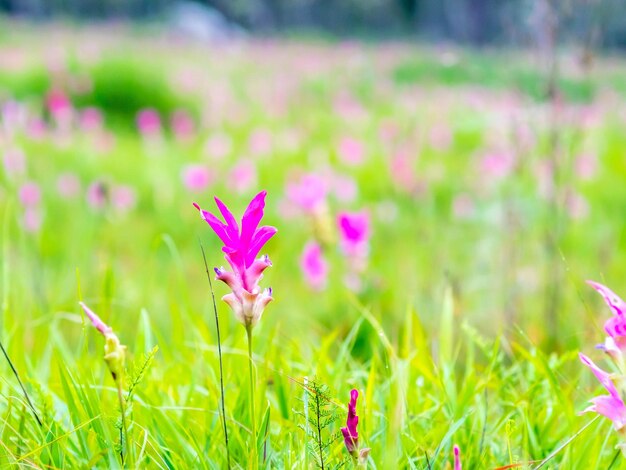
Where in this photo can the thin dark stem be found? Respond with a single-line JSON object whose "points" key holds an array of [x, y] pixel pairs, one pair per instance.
{"points": [[219, 353], [30, 403], [123, 427], [319, 429]]}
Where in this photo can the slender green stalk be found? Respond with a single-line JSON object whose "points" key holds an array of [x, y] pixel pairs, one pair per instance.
{"points": [[252, 397], [19, 381], [124, 428], [219, 354]]}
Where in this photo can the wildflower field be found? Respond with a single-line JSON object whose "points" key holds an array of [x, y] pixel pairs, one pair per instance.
{"points": [[402, 237]]}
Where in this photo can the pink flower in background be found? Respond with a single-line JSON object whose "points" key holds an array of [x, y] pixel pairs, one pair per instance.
{"points": [[68, 185], [90, 119], [14, 162], [586, 166], [149, 122], [218, 146], [196, 177], [308, 192], [611, 405], [354, 230], [497, 165], [344, 187], [260, 142], [441, 137], [350, 432], [97, 195], [36, 129], [59, 105], [123, 198], [32, 219], [577, 206], [615, 327], [351, 151], [402, 171], [182, 124], [241, 246], [242, 177], [314, 266], [30, 194], [457, 458]]}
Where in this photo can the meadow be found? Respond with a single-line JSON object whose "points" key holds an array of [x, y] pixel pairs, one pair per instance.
{"points": [[437, 216]]}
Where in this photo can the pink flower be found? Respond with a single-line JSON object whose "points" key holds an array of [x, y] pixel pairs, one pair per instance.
{"points": [[497, 165], [457, 458], [586, 166], [123, 198], [308, 193], [59, 104], [14, 162], [354, 232], [196, 177], [90, 119], [95, 320], [182, 124], [350, 433], [149, 122], [260, 142], [345, 188], [218, 146], [615, 326], [32, 219], [611, 405], [314, 266], [441, 137], [241, 246], [30, 195], [97, 195], [68, 185], [242, 177], [351, 151]]}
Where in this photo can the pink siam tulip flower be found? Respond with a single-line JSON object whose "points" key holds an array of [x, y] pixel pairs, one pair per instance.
{"points": [[308, 193], [14, 162], [149, 122], [114, 352], [183, 124], [615, 327], [457, 458], [354, 231], [611, 405], [260, 142], [196, 177], [123, 198], [351, 151], [30, 194], [68, 185], [241, 246], [586, 166], [218, 146], [59, 105], [242, 177], [577, 206], [314, 266], [97, 195], [350, 433], [32, 219], [90, 119], [498, 165]]}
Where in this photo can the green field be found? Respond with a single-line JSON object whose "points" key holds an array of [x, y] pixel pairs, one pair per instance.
{"points": [[489, 206]]}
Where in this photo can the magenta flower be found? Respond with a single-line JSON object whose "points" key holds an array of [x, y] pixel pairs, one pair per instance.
{"points": [[241, 246], [182, 124], [196, 177], [354, 231], [611, 405], [615, 326], [314, 266], [350, 433], [308, 193], [95, 320], [30, 194], [149, 122], [457, 458]]}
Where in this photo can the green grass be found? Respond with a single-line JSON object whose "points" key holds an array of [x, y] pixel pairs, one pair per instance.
{"points": [[448, 341]]}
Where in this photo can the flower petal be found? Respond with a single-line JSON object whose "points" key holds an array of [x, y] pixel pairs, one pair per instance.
{"points": [[251, 218], [259, 239], [612, 300]]}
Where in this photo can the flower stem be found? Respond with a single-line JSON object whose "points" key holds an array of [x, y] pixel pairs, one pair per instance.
{"points": [[252, 397], [124, 428]]}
